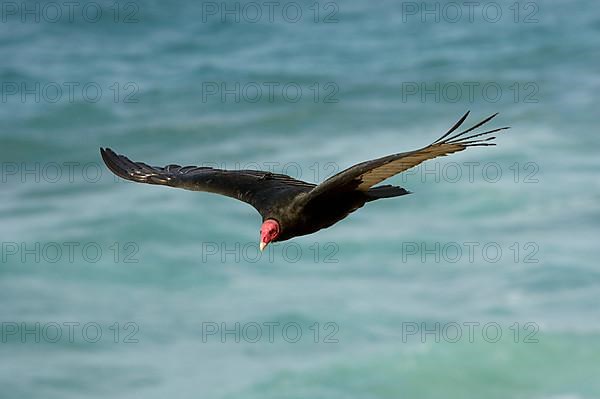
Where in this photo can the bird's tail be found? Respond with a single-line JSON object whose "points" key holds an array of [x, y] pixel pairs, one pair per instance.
{"points": [[387, 191]]}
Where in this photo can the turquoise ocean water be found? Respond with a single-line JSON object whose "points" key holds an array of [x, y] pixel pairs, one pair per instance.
{"points": [[483, 283]]}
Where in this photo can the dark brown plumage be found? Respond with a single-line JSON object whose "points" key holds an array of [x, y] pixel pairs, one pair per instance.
{"points": [[299, 207]]}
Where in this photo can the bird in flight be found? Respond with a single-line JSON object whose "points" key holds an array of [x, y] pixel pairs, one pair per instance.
{"points": [[290, 207]]}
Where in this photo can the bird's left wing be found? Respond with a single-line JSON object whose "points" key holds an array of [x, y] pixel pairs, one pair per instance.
{"points": [[256, 188], [365, 175]]}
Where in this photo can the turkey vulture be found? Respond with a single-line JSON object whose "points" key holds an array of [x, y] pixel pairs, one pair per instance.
{"points": [[291, 207]]}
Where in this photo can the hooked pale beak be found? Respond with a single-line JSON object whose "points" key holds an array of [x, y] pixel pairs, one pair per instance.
{"points": [[262, 246]]}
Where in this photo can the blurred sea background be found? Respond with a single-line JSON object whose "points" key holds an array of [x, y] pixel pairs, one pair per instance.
{"points": [[163, 273]]}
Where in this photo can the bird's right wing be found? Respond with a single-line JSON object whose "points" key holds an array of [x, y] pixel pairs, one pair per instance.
{"points": [[256, 188], [363, 176]]}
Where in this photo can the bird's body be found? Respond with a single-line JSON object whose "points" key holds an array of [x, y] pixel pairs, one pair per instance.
{"points": [[291, 207]]}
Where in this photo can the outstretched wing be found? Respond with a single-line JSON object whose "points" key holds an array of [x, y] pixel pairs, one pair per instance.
{"points": [[257, 188], [365, 175]]}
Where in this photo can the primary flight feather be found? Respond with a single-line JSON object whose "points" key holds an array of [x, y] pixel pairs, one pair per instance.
{"points": [[291, 207]]}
